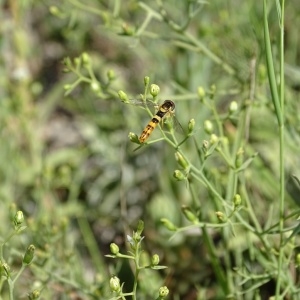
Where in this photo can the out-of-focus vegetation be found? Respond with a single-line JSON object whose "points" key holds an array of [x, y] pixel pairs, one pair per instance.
{"points": [[219, 203]]}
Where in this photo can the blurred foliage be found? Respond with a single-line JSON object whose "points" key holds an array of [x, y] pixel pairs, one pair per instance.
{"points": [[68, 165]]}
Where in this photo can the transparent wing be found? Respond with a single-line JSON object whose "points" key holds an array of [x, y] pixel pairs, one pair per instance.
{"points": [[146, 103], [172, 121]]}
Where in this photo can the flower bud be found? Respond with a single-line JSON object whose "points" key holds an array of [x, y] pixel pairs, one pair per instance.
{"points": [[233, 107], [146, 80], [29, 254], [178, 175], [214, 139], [220, 216], [136, 238], [114, 284], [130, 240], [127, 30], [111, 75], [201, 92], [67, 87], [168, 224], [95, 86], [133, 138], [140, 227], [114, 249], [34, 295], [237, 200], [4, 269], [163, 292], [191, 125], [19, 218], [86, 59], [123, 96], [208, 126], [154, 90], [189, 214], [181, 161], [155, 260], [205, 146], [54, 10]]}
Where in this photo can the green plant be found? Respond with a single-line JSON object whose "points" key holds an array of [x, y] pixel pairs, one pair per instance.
{"points": [[135, 254], [225, 222]]}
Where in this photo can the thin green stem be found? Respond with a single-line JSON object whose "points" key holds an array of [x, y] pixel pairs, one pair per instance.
{"points": [[88, 8], [11, 289], [279, 109]]}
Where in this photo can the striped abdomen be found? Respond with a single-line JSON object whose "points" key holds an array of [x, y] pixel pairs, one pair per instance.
{"points": [[166, 107]]}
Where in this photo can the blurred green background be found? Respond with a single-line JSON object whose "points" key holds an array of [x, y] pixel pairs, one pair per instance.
{"points": [[66, 160]]}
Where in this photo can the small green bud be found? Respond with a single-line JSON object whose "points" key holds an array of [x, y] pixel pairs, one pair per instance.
{"points": [[29, 254], [214, 139], [146, 80], [54, 10], [133, 138], [114, 249], [4, 269], [155, 260], [208, 126], [111, 75], [168, 224], [140, 227], [298, 260], [127, 30], [178, 175], [67, 87], [205, 146], [237, 200], [181, 161], [154, 90], [130, 240], [114, 284], [239, 159], [220, 216], [163, 292], [189, 214], [233, 107], [86, 59], [136, 237], [123, 96], [201, 92], [34, 295], [19, 218], [191, 125], [95, 86]]}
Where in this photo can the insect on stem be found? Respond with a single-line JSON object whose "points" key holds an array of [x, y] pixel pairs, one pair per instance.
{"points": [[167, 106]]}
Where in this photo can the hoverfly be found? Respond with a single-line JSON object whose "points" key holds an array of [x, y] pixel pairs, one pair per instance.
{"points": [[163, 110]]}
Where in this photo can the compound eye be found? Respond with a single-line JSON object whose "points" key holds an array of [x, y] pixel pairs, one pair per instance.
{"points": [[170, 104]]}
